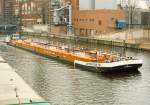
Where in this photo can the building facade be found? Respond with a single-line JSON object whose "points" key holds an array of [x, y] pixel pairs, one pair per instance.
{"points": [[1, 7], [32, 11], [86, 22], [94, 21], [8, 16], [1, 11]]}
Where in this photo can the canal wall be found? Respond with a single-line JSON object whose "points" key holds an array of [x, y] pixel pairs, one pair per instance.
{"points": [[111, 42], [13, 89]]}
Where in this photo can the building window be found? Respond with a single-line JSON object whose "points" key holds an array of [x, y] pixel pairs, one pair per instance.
{"points": [[112, 18], [91, 20], [100, 22]]}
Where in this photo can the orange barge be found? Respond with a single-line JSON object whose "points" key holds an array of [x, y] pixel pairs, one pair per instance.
{"points": [[52, 51], [89, 60]]}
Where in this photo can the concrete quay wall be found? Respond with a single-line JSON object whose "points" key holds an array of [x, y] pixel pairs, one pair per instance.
{"points": [[13, 89], [119, 43]]}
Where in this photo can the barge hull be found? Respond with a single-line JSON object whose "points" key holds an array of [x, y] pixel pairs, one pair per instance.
{"points": [[44, 55], [83, 65], [111, 69]]}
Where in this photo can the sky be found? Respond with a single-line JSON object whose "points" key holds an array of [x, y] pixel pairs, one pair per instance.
{"points": [[139, 3], [110, 4], [99, 4], [142, 4]]}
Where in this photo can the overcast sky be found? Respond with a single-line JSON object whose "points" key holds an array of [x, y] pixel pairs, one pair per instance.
{"points": [[99, 4], [109, 4], [139, 3]]}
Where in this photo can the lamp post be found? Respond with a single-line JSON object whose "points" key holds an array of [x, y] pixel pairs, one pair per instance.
{"points": [[16, 91], [20, 18], [17, 96]]}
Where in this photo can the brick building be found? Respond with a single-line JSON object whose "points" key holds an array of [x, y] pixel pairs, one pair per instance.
{"points": [[29, 14], [32, 11], [97, 21]]}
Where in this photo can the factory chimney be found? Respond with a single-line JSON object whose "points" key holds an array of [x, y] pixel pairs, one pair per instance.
{"points": [[92, 4]]}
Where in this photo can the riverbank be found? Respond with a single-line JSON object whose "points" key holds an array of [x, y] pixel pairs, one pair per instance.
{"points": [[134, 44], [13, 89]]}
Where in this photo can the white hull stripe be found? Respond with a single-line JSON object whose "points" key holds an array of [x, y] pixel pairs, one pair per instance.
{"points": [[112, 64]]}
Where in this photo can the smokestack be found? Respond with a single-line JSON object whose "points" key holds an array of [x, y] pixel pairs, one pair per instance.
{"points": [[92, 4]]}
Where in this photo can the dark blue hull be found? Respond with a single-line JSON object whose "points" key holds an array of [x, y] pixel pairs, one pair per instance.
{"points": [[133, 67]]}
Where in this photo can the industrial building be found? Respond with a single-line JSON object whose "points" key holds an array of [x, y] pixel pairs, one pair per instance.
{"points": [[1, 7], [32, 11], [6, 16], [8, 11], [76, 16], [8, 22], [95, 19], [88, 18], [1, 11]]}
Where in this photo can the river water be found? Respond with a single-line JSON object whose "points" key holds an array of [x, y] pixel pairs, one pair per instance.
{"points": [[61, 84]]}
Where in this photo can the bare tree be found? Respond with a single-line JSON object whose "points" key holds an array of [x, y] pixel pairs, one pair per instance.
{"points": [[148, 6], [42, 7], [131, 7], [45, 11]]}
